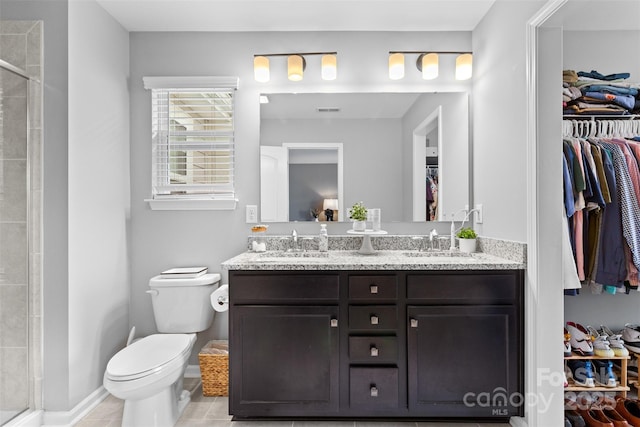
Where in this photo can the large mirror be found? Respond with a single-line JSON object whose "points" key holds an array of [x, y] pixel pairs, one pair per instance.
{"points": [[406, 153]]}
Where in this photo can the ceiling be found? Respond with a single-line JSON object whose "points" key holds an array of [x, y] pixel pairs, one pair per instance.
{"points": [[297, 15], [351, 15]]}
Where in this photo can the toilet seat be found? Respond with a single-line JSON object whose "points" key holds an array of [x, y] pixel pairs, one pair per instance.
{"points": [[148, 356]]}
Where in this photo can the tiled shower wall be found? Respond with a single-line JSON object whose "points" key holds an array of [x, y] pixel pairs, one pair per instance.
{"points": [[20, 218]]}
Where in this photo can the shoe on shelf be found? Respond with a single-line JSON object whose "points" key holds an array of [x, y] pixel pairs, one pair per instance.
{"points": [[615, 341], [615, 418], [575, 419], [582, 372], [601, 346], [630, 410], [580, 339], [594, 417], [604, 373], [567, 343], [631, 337]]}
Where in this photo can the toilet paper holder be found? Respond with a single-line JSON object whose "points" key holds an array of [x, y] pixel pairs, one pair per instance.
{"points": [[220, 298]]}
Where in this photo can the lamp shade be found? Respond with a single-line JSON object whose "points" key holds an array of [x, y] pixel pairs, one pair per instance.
{"points": [[330, 204], [329, 67], [396, 66], [430, 66], [261, 69], [464, 66], [295, 67]]}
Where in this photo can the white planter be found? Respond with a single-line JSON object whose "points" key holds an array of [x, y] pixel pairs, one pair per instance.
{"points": [[467, 245], [359, 225]]}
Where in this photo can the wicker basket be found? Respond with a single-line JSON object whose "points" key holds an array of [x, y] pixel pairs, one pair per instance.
{"points": [[214, 368]]}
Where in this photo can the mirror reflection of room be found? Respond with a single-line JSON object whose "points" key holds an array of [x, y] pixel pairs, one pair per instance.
{"points": [[399, 150]]}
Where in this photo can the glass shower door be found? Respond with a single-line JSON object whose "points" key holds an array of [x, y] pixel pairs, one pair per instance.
{"points": [[14, 246]]}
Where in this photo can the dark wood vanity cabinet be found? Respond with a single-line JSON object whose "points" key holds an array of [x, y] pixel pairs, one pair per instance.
{"points": [[465, 341], [356, 344]]}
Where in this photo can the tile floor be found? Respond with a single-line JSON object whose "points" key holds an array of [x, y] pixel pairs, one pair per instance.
{"points": [[213, 412]]}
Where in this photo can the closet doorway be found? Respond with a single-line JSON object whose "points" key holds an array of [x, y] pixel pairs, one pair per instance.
{"points": [[427, 144]]}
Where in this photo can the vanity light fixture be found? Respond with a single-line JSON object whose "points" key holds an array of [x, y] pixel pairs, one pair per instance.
{"points": [[296, 64], [428, 64], [261, 68], [396, 65], [464, 66]]}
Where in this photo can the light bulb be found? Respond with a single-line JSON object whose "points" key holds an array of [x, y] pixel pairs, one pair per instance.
{"points": [[430, 66], [261, 69], [396, 66], [295, 68], [464, 66], [329, 67]]}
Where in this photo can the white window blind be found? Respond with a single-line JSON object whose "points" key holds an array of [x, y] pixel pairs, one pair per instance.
{"points": [[193, 138]]}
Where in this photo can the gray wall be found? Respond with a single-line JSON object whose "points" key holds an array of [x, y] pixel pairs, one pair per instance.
{"points": [[309, 185], [99, 199], [372, 153]]}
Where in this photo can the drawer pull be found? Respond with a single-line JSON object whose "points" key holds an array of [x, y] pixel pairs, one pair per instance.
{"points": [[334, 323], [374, 391], [414, 323], [374, 319], [374, 351], [373, 289]]}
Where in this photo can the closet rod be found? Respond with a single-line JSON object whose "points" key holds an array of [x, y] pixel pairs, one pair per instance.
{"points": [[601, 117]]}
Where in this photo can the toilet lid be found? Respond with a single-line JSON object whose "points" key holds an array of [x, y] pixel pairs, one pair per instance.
{"points": [[148, 355]]}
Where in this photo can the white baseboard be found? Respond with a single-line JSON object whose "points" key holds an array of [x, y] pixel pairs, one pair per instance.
{"points": [[192, 371], [30, 419], [69, 418]]}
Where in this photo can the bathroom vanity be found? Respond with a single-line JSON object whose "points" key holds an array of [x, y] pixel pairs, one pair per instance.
{"points": [[388, 335]]}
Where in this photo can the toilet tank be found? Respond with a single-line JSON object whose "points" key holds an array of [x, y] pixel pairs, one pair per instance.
{"points": [[183, 305]]}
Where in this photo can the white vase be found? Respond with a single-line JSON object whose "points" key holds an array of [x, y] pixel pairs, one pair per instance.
{"points": [[359, 225], [467, 245]]}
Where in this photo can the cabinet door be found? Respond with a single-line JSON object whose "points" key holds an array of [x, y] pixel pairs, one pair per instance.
{"points": [[284, 360], [464, 361]]}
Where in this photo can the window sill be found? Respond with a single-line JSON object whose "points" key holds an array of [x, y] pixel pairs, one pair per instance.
{"points": [[192, 204]]}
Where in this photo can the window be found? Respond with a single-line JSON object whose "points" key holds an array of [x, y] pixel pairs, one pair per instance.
{"points": [[192, 142]]}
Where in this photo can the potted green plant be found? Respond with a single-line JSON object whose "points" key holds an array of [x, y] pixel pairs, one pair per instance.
{"points": [[358, 213], [467, 239]]}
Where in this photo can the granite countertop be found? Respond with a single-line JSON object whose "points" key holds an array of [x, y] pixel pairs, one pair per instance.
{"points": [[380, 260]]}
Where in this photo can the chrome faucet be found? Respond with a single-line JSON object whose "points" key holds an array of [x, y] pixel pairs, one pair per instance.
{"points": [[294, 240], [433, 235]]}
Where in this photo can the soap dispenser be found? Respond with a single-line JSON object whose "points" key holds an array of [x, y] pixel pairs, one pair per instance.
{"points": [[323, 239]]}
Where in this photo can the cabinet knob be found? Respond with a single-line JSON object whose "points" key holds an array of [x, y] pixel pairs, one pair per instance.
{"points": [[374, 391], [414, 323], [374, 319], [374, 351], [334, 323], [373, 288]]}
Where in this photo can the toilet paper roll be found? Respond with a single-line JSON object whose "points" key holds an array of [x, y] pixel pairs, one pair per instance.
{"points": [[220, 298]]}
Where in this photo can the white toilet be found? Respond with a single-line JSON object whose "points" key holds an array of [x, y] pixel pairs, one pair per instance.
{"points": [[148, 374]]}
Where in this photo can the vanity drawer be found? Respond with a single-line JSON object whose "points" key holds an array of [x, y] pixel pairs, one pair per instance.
{"points": [[470, 288], [373, 350], [373, 317], [373, 388], [283, 288], [373, 287]]}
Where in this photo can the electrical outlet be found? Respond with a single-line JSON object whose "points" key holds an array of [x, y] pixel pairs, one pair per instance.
{"points": [[252, 214], [466, 209], [478, 213]]}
